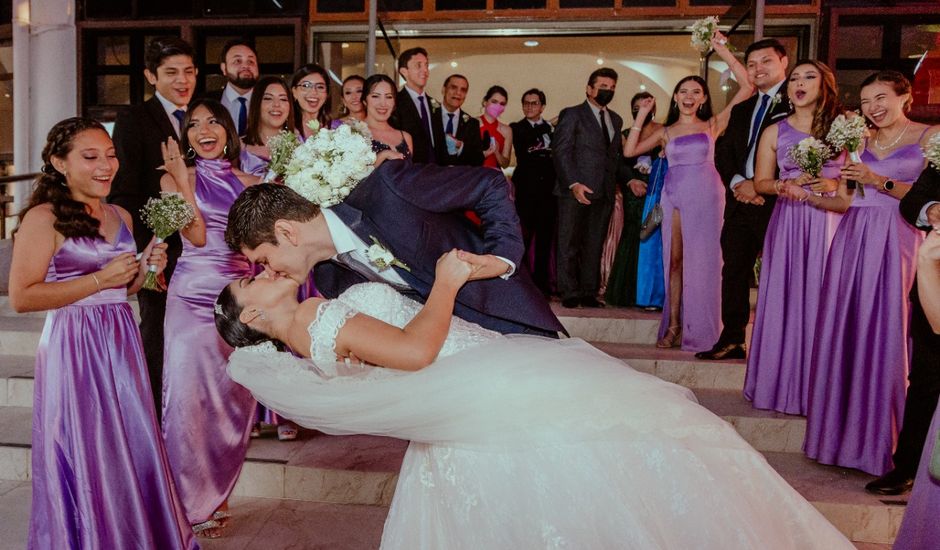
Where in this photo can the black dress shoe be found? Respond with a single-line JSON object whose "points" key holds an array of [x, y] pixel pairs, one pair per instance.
{"points": [[570, 303], [892, 483], [722, 352], [591, 302]]}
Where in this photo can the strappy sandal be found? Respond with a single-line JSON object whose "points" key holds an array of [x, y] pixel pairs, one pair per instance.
{"points": [[287, 432], [209, 529], [221, 516], [672, 338]]}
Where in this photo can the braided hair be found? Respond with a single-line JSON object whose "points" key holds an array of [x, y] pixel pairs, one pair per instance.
{"points": [[51, 186]]}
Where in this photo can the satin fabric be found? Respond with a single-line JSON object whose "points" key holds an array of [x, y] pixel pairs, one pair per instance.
{"points": [[650, 291], [101, 478], [693, 189], [920, 527], [206, 417], [858, 374], [789, 292]]}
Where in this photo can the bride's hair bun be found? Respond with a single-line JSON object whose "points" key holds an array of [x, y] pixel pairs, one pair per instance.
{"points": [[235, 333]]}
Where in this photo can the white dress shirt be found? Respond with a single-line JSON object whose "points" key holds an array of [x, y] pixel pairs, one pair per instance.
{"points": [[230, 102], [752, 154], [170, 108]]}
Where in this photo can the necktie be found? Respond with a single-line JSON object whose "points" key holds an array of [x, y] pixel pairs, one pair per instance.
{"points": [[450, 124], [755, 127], [242, 116], [347, 259], [178, 115], [604, 126], [426, 124]]}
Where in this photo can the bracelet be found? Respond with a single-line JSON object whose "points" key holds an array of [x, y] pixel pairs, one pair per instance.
{"points": [[97, 283], [778, 186]]}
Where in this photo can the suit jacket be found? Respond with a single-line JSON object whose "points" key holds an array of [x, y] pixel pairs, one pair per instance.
{"points": [[535, 169], [731, 152], [138, 133], [214, 94], [416, 212], [582, 154], [468, 131], [406, 117], [925, 189]]}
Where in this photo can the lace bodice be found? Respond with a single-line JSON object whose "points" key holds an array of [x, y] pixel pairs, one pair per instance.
{"points": [[384, 303]]}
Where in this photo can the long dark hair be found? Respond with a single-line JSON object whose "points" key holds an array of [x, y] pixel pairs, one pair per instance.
{"points": [[253, 132], [323, 117], [227, 311], [351, 78], [704, 111], [828, 106], [370, 84], [222, 115], [635, 108], [72, 218]]}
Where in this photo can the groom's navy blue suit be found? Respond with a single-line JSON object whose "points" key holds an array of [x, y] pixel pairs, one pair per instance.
{"points": [[417, 212]]}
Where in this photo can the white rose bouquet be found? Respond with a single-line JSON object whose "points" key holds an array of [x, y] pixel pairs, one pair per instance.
{"points": [[847, 133], [282, 148], [164, 216], [810, 154], [932, 150], [702, 32], [329, 165]]}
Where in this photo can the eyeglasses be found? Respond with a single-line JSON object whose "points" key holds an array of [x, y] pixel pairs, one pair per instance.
{"points": [[531, 103], [307, 86]]}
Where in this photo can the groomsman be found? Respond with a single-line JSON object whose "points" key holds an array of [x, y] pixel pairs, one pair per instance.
{"points": [[414, 108], [746, 212], [461, 144], [921, 208], [138, 134], [239, 64], [587, 150], [534, 181]]}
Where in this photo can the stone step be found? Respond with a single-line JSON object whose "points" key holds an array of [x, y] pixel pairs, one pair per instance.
{"points": [[679, 367], [16, 380]]}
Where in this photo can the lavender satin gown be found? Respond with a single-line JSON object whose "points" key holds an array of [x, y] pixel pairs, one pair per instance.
{"points": [[101, 478], [858, 375], [253, 164], [206, 416], [789, 292], [920, 527], [694, 189]]}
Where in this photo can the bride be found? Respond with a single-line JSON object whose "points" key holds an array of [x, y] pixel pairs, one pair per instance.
{"points": [[517, 441]]}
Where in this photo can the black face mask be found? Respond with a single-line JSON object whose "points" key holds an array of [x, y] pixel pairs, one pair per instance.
{"points": [[603, 97]]}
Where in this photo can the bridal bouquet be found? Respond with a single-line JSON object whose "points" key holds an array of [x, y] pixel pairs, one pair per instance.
{"points": [[810, 154], [329, 165], [282, 147], [702, 32], [847, 133], [932, 150], [165, 216]]}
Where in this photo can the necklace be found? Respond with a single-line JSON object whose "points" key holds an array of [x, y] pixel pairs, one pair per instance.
{"points": [[896, 140]]}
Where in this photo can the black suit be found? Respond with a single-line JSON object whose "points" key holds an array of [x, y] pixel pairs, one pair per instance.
{"points": [[924, 377], [584, 155], [407, 118], [467, 130], [742, 235], [138, 134], [534, 181]]}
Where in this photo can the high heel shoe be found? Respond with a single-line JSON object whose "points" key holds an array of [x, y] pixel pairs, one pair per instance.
{"points": [[672, 338]]}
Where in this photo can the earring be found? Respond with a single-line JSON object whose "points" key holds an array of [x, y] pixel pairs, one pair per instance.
{"points": [[190, 153], [225, 149]]}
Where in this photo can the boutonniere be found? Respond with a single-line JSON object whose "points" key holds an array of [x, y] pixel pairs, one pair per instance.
{"points": [[775, 100], [434, 104], [382, 258], [465, 117]]}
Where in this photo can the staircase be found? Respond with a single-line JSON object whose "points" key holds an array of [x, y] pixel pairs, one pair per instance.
{"points": [[333, 492]]}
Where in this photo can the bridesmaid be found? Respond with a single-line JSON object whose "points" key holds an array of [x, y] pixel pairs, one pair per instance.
{"points": [[496, 136], [859, 364], [207, 417], [920, 528], [378, 101], [353, 109], [270, 113], [100, 473], [311, 89], [693, 196], [796, 244]]}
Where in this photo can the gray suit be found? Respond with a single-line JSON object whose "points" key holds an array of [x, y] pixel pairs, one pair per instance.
{"points": [[582, 154]]}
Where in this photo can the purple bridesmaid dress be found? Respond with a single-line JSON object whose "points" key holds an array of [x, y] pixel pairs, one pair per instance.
{"points": [[920, 528], [206, 416], [694, 189], [789, 293], [253, 164], [101, 478], [858, 375]]}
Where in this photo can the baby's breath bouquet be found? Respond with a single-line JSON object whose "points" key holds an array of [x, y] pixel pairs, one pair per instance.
{"points": [[282, 147], [932, 150], [329, 165], [164, 216], [702, 32], [810, 154], [847, 133]]}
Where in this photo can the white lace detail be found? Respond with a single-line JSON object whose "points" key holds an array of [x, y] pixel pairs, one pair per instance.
{"points": [[331, 316]]}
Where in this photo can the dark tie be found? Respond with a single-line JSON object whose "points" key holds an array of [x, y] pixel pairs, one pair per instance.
{"points": [[604, 126], [349, 260], [755, 128], [426, 123], [242, 116], [450, 124], [179, 114]]}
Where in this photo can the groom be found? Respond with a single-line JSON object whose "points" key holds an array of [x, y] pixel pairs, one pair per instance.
{"points": [[415, 212]]}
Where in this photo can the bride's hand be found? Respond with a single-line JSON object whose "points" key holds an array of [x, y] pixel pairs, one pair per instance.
{"points": [[451, 270]]}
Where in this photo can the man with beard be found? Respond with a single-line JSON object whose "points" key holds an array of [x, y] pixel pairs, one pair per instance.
{"points": [[239, 64]]}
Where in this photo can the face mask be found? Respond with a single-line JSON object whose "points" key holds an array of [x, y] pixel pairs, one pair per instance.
{"points": [[603, 97], [494, 109]]}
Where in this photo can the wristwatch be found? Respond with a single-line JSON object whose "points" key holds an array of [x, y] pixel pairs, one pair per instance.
{"points": [[887, 185]]}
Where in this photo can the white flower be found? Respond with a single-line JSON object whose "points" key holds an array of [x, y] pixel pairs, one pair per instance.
{"points": [[777, 98], [643, 164], [847, 132], [809, 155], [702, 32], [932, 150], [381, 257]]}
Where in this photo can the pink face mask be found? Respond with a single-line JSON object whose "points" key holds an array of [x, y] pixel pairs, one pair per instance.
{"points": [[495, 109]]}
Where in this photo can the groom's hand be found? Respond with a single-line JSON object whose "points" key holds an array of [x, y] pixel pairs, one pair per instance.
{"points": [[485, 266]]}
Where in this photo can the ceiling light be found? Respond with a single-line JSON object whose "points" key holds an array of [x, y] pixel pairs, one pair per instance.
{"points": [[600, 60], [642, 87], [453, 64], [530, 43], [345, 44]]}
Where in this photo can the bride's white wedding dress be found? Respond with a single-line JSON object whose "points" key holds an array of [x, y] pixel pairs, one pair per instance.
{"points": [[525, 443]]}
